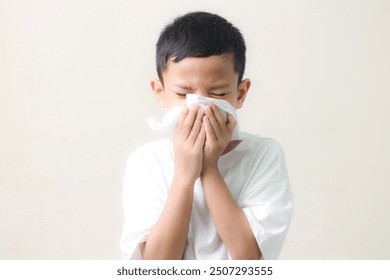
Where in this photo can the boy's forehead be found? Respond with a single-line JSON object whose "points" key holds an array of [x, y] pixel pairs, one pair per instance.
{"points": [[216, 65]]}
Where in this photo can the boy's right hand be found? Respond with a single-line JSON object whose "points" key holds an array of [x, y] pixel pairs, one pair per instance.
{"points": [[188, 145]]}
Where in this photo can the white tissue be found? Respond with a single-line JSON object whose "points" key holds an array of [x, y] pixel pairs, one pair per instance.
{"points": [[171, 118]]}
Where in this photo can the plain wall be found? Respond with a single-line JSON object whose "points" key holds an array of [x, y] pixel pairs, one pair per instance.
{"points": [[75, 97]]}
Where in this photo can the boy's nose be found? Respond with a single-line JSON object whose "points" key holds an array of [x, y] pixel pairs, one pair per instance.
{"points": [[203, 93]]}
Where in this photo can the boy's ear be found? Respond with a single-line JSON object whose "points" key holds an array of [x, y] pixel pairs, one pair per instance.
{"points": [[158, 91], [243, 88]]}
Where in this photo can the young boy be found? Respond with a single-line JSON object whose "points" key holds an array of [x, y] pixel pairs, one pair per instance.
{"points": [[203, 195]]}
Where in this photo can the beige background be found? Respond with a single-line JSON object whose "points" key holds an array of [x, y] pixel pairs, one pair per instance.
{"points": [[74, 99]]}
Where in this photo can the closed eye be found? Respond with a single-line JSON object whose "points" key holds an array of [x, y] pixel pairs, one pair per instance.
{"points": [[181, 94], [218, 94]]}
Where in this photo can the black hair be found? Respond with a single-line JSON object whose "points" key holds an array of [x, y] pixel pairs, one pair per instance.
{"points": [[200, 34]]}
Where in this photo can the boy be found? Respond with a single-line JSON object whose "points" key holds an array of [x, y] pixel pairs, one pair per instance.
{"points": [[203, 195]]}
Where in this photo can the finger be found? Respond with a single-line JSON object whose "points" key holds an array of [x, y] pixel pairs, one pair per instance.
{"points": [[196, 126], [201, 138], [214, 122], [231, 123], [189, 120], [182, 117], [210, 134], [218, 115]]}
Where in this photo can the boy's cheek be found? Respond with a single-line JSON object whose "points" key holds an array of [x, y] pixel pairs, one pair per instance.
{"points": [[176, 103]]}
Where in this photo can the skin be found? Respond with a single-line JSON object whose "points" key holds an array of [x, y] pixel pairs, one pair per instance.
{"points": [[201, 138]]}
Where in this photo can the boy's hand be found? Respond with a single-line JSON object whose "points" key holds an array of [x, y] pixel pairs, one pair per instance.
{"points": [[218, 134], [188, 144]]}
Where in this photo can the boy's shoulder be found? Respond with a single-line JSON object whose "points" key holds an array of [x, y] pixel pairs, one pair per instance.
{"points": [[155, 145], [153, 149], [260, 149], [261, 144]]}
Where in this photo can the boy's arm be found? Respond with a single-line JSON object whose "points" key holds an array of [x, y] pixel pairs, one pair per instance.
{"points": [[232, 224], [230, 220], [168, 236]]}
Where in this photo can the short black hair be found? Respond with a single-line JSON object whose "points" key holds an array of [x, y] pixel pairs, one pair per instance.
{"points": [[200, 34]]}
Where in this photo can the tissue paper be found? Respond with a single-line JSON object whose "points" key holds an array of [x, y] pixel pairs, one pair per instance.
{"points": [[171, 118]]}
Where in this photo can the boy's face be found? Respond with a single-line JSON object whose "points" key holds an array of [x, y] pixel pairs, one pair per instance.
{"points": [[212, 76]]}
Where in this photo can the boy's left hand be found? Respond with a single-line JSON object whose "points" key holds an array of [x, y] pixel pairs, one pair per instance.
{"points": [[218, 134]]}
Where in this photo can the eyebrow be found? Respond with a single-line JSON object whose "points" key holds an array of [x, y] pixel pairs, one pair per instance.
{"points": [[216, 87], [182, 86], [221, 86]]}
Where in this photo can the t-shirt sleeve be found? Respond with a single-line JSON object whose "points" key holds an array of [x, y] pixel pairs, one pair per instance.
{"points": [[142, 203], [267, 201]]}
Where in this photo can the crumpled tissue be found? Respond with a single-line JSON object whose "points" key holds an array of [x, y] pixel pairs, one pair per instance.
{"points": [[171, 117]]}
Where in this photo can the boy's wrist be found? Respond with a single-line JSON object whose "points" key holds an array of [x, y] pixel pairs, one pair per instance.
{"points": [[209, 170], [184, 181]]}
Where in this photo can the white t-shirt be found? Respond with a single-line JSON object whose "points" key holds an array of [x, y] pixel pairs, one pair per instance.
{"points": [[255, 174]]}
